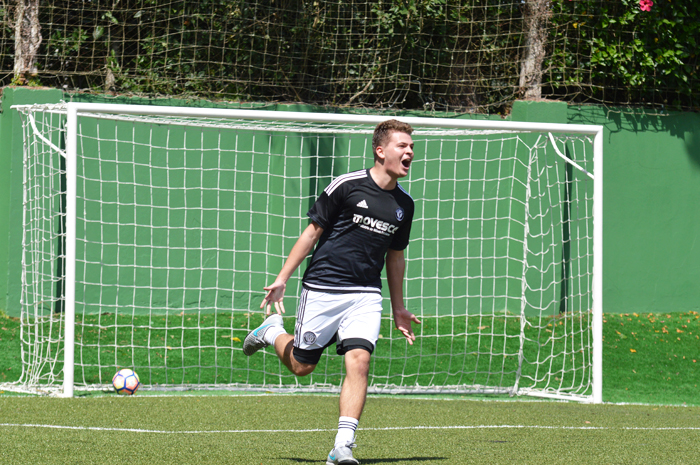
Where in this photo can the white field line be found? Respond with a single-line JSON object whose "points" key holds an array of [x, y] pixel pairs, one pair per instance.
{"points": [[317, 430]]}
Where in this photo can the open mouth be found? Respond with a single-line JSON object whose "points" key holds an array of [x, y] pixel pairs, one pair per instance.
{"points": [[406, 162]]}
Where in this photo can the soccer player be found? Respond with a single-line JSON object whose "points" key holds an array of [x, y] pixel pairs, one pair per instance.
{"points": [[359, 222]]}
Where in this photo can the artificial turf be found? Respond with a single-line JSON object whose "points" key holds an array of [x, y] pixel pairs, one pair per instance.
{"points": [[648, 358], [299, 429]]}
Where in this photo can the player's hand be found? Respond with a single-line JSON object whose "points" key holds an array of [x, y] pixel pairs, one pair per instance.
{"points": [[275, 294], [403, 319]]}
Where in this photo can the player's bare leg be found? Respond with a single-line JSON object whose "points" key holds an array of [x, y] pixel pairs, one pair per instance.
{"points": [[354, 390], [284, 344], [352, 401]]}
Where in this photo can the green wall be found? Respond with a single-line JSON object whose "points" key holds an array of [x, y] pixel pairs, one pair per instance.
{"points": [[651, 219], [652, 209], [651, 191], [11, 190]]}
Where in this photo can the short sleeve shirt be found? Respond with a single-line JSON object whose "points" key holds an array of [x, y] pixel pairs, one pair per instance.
{"points": [[361, 221]]}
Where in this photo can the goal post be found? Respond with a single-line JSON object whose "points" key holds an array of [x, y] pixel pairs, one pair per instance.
{"points": [[149, 232]]}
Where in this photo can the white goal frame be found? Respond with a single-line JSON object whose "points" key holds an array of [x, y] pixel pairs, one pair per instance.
{"points": [[74, 109]]}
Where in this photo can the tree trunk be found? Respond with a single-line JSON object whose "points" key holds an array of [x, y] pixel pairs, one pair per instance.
{"points": [[535, 17], [27, 39]]}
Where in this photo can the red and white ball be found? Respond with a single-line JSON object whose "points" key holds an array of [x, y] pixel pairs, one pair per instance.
{"points": [[126, 382]]}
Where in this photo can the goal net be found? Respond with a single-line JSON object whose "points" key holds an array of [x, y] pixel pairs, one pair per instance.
{"points": [[150, 232]]}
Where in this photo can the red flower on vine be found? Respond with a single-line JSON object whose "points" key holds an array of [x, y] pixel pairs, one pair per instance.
{"points": [[645, 5]]}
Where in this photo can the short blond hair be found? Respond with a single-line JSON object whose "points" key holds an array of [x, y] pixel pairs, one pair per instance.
{"points": [[385, 129]]}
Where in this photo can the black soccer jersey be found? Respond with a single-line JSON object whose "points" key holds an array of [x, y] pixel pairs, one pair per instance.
{"points": [[361, 221]]}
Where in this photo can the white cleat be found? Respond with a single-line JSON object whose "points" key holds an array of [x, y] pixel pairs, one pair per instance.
{"points": [[342, 455], [254, 340]]}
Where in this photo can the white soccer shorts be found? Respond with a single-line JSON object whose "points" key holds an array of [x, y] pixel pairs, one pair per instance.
{"points": [[324, 318]]}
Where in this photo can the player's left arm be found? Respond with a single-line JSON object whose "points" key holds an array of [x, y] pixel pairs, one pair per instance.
{"points": [[395, 269]]}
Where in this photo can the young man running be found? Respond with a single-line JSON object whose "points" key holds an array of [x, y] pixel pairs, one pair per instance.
{"points": [[360, 221]]}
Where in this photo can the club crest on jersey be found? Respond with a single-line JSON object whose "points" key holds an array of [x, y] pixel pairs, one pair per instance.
{"points": [[309, 337], [399, 214]]}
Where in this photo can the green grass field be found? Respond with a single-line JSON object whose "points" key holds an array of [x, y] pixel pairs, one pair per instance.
{"points": [[275, 429], [204, 349], [649, 359]]}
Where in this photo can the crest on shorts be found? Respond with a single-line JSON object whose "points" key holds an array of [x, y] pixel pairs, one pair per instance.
{"points": [[309, 337], [399, 214]]}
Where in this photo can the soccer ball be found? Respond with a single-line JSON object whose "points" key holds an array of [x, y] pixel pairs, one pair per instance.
{"points": [[126, 382]]}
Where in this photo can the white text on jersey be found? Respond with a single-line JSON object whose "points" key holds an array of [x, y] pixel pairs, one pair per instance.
{"points": [[375, 225]]}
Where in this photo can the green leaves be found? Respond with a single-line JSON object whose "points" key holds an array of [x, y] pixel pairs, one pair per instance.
{"points": [[648, 57], [417, 54], [108, 15]]}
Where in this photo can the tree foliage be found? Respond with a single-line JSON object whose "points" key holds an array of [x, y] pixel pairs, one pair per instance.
{"points": [[417, 54], [613, 51]]}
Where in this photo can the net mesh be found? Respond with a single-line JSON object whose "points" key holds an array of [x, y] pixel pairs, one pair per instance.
{"points": [[443, 55], [180, 226]]}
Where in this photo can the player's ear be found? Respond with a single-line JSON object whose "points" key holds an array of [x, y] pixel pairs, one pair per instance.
{"points": [[379, 153]]}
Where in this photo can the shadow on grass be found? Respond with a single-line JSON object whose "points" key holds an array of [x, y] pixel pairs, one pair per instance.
{"points": [[377, 461]]}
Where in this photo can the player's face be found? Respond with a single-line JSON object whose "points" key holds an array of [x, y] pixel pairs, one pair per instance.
{"points": [[397, 154]]}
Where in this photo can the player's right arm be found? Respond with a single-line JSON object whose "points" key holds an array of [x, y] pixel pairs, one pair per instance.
{"points": [[303, 247]]}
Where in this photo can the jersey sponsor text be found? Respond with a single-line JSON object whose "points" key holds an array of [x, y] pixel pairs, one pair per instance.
{"points": [[374, 225]]}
